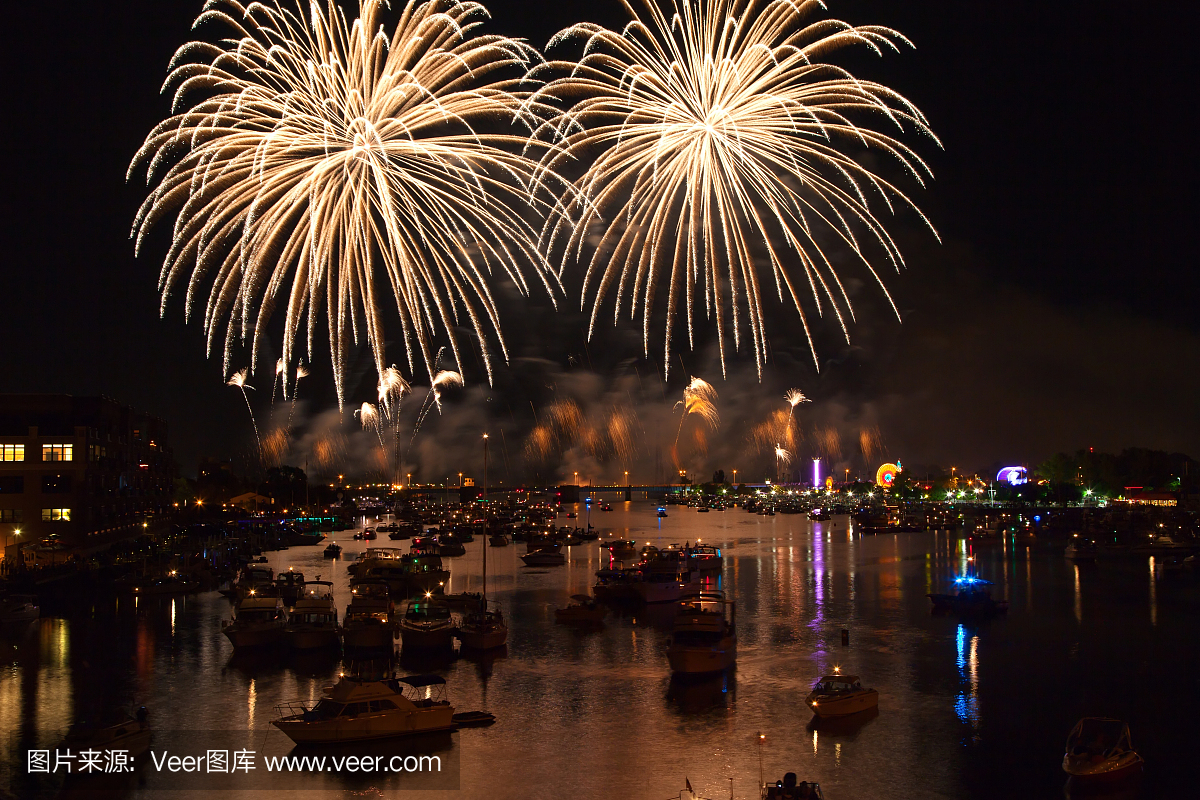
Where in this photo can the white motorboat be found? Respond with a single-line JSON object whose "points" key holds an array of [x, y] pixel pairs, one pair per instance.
{"points": [[119, 731], [703, 638], [546, 557], [18, 608], [369, 622], [427, 625], [360, 708], [257, 622], [1099, 751], [841, 695], [1081, 549], [666, 587], [313, 623]]}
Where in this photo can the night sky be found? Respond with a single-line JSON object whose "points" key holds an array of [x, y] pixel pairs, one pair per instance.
{"points": [[1059, 311]]}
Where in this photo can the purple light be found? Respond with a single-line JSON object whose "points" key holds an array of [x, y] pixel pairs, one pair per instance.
{"points": [[816, 472], [1014, 476]]}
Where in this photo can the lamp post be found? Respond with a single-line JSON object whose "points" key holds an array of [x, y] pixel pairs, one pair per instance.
{"points": [[626, 477], [460, 480], [735, 477], [15, 534]]}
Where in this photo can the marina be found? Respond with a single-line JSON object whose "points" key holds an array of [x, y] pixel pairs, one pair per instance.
{"points": [[959, 711]]}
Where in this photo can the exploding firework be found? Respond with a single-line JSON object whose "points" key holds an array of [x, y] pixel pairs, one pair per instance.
{"points": [[869, 444], [795, 397], [710, 131], [699, 398], [565, 426], [313, 161], [238, 379], [829, 443]]}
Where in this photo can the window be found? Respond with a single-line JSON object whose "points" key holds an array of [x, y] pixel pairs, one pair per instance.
{"points": [[12, 452], [56, 515], [58, 452], [56, 484], [96, 452], [12, 484], [10, 515]]}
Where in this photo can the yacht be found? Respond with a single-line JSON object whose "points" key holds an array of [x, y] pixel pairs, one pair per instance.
{"points": [[289, 586], [703, 639], [426, 625], [840, 695], [257, 622], [369, 621], [706, 558], [369, 707], [973, 598], [19, 608], [498, 540], [313, 623], [548, 556], [117, 731], [790, 789], [665, 587], [1099, 751], [622, 550], [583, 610], [1081, 550], [1161, 544], [483, 628]]}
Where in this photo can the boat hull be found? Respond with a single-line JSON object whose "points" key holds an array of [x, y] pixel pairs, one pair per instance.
{"points": [[313, 638], [422, 638], [366, 727], [367, 637], [701, 660], [483, 639], [844, 706], [251, 638], [1084, 772]]}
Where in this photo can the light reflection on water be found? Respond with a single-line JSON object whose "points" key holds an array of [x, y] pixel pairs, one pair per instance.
{"points": [[599, 715]]}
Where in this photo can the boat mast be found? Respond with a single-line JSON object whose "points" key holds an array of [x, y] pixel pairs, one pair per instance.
{"points": [[484, 538]]}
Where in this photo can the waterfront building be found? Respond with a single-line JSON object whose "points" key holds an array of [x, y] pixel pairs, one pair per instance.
{"points": [[79, 471]]}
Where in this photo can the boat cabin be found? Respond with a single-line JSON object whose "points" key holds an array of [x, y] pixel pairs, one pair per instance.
{"points": [[832, 684]]}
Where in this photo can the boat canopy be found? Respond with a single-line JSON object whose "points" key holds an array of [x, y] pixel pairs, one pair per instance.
{"points": [[848, 679], [1099, 734], [419, 681]]}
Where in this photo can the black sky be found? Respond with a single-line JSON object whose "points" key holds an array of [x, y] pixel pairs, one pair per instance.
{"points": [[1060, 311]]}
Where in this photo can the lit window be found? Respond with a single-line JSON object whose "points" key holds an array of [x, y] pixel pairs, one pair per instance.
{"points": [[10, 515], [12, 452], [56, 515], [58, 452]]}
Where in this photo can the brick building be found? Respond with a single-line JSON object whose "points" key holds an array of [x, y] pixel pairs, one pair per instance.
{"points": [[86, 469]]}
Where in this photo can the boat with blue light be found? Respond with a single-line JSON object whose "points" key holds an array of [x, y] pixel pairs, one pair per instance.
{"points": [[973, 598]]}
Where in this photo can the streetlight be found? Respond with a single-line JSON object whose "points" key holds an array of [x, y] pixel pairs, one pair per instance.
{"points": [[460, 480], [626, 477], [408, 483], [735, 477]]}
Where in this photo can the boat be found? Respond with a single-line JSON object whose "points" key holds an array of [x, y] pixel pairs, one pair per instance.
{"points": [[617, 585], [819, 515], [702, 509], [1081, 550], [254, 579], [972, 599], [369, 534], [1099, 751], [840, 696], [622, 549], [705, 558], [171, 583], [546, 557], [369, 707], [483, 628], [1161, 544], [289, 586], [703, 639], [115, 731], [426, 625], [665, 587], [257, 622], [369, 621], [449, 545], [790, 789], [473, 719], [16, 608], [313, 623], [498, 540], [662, 512], [584, 610], [606, 507], [333, 550]]}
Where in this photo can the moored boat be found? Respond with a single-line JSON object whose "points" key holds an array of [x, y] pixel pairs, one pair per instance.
{"points": [[369, 622], [313, 623], [483, 628], [546, 557], [791, 789], [359, 708], [17, 608], [973, 598], [1081, 549], [703, 638], [257, 622], [333, 550], [841, 695], [583, 610], [426, 625], [1099, 751]]}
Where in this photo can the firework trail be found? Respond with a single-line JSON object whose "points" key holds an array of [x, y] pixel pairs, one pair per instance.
{"points": [[279, 367], [699, 397], [238, 379], [368, 415], [829, 443], [710, 128], [442, 380], [313, 162], [782, 459], [793, 398], [869, 444]]}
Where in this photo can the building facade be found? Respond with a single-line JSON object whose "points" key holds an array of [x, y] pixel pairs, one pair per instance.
{"points": [[80, 470]]}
